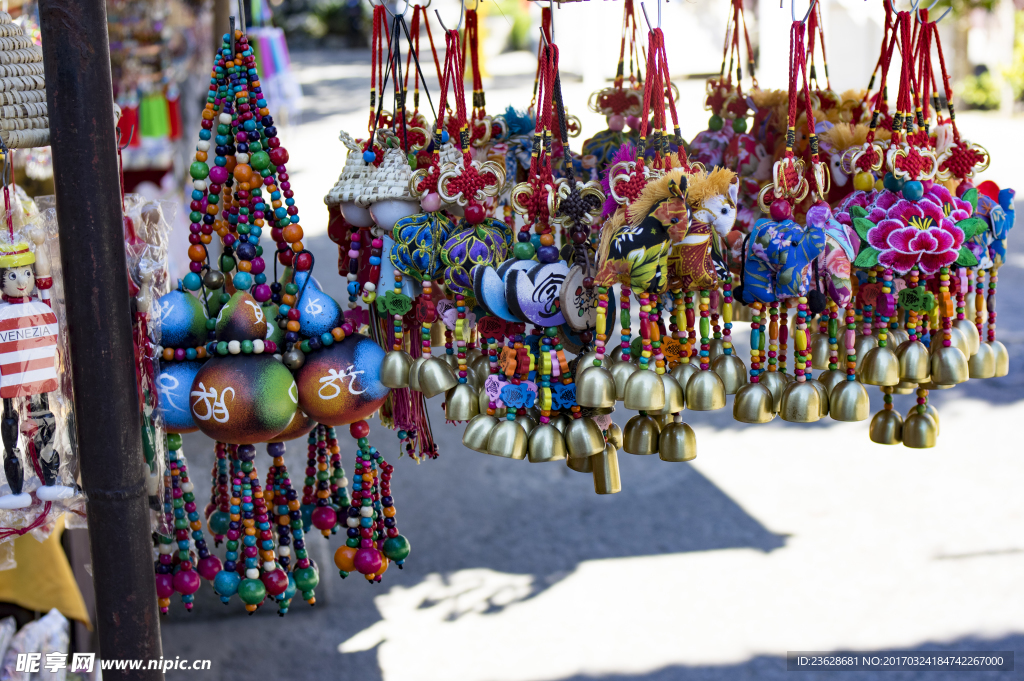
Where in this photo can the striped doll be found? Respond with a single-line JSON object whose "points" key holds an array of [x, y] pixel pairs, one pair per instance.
{"points": [[28, 369]]}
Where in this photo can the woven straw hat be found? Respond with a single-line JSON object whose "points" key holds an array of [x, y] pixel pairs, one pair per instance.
{"points": [[354, 176], [391, 181], [24, 122]]}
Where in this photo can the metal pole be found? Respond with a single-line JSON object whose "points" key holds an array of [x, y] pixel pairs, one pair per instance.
{"points": [[76, 58], [221, 11]]}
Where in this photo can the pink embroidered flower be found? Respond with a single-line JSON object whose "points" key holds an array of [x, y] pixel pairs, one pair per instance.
{"points": [[837, 264]]}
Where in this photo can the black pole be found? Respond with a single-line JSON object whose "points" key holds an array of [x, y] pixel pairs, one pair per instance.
{"points": [[76, 58]]}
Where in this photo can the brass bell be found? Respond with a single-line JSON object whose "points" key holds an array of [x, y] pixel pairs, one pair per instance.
{"points": [[776, 383], [560, 421], [546, 444], [595, 388], [931, 411], [472, 355], [675, 401], [896, 337], [831, 378], [476, 377], [477, 432], [1002, 359], [753, 404], [904, 388], [451, 360], [621, 371], [586, 361], [862, 345], [414, 374], [920, 431], [823, 401], [483, 401], [394, 370], [481, 363], [677, 442], [970, 334], [880, 367], [915, 364], [615, 435], [886, 428], [527, 423], [640, 436], [645, 391], [663, 420], [682, 374], [436, 377], [584, 465], [716, 348], [705, 391], [508, 440], [732, 371], [606, 471], [437, 330], [616, 355], [849, 401], [820, 351], [982, 364], [949, 366], [801, 403], [461, 403], [583, 438], [957, 339]]}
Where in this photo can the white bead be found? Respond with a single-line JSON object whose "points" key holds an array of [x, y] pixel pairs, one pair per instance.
{"points": [[167, 548], [343, 482], [352, 522], [225, 118], [366, 511], [352, 277], [242, 158], [284, 551], [257, 346], [199, 184], [252, 573], [369, 286], [277, 356], [187, 487], [234, 347], [204, 145], [269, 566]]}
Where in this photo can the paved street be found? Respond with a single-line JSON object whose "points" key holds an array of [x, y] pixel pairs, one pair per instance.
{"points": [[777, 538]]}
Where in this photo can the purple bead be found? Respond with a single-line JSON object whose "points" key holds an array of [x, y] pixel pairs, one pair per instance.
{"points": [[276, 449], [186, 582], [547, 254], [367, 561], [209, 567], [229, 239], [241, 136], [258, 265], [164, 586], [196, 267], [261, 293], [218, 174]]}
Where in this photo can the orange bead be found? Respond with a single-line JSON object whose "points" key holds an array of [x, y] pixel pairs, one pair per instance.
{"points": [[288, 300], [292, 233], [546, 240], [211, 209], [264, 112], [345, 558], [293, 326], [297, 246], [206, 238], [208, 114], [168, 354], [201, 352], [338, 334], [244, 265], [196, 253], [389, 511], [276, 204], [200, 155], [384, 563]]}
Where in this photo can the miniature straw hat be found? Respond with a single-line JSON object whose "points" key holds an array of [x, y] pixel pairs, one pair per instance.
{"points": [[24, 122]]}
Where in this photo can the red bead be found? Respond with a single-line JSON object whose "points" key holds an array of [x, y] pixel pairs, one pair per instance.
{"points": [[303, 261], [780, 210], [474, 214], [359, 429], [279, 156]]}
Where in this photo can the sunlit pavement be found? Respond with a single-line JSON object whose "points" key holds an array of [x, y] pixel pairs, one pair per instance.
{"points": [[777, 538]]}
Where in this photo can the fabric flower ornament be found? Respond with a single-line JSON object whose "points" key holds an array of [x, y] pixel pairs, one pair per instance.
{"points": [[470, 246]]}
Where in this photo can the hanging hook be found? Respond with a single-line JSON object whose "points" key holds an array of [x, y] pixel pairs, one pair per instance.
{"points": [[131, 133], [647, 19], [792, 11], [241, 16], [462, 16]]}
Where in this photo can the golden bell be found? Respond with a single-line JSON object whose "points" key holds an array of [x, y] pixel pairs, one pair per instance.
{"points": [[477, 432], [663, 420], [480, 362], [920, 431], [732, 371], [595, 388], [606, 471], [414, 373], [394, 370], [614, 436], [584, 465], [904, 388], [823, 401], [716, 348], [931, 411], [957, 339], [621, 371], [682, 374], [831, 379], [820, 351], [583, 438], [616, 355], [451, 360], [801, 403], [472, 355], [586, 361], [915, 365], [886, 428], [970, 333], [436, 377], [677, 442], [675, 401], [461, 403], [861, 346], [483, 401], [705, 391], [528, 424], [753, 404], [949, 366], [507, 439], [645, 391], [776, 383], [546, 444], [640, 436], [880, 367], [437, 330], [849, 401], [1002, 359], [982, 364], [477, 378], [560, 422]]}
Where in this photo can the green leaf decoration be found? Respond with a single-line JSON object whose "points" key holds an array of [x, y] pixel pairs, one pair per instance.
{"points": [[966, 258], [972, 227], [858, 212], [971, 197], [862, 225], [868, 257]]}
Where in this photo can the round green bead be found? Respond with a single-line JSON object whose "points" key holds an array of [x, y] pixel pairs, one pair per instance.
{"points": [[260, 160], [716, 123], [524, 250], [396, 548], [199, 170], [252, 591], [306, 579], [173, 441]]}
